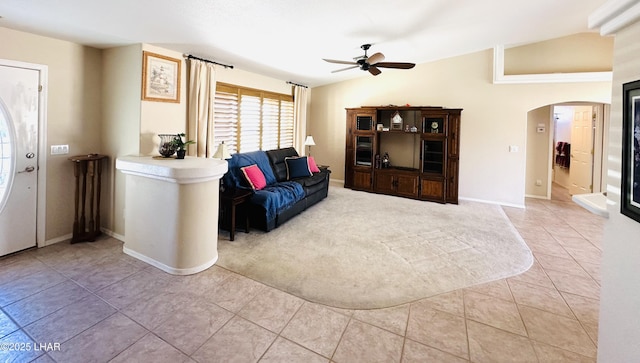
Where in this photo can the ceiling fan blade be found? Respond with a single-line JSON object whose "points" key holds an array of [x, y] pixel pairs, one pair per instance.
{"points": [[344, 69], [339, 61], [373, 70], [399, 65], [375, 58]]}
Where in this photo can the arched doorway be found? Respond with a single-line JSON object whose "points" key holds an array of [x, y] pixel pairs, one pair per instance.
{"points": [[566, 150]]}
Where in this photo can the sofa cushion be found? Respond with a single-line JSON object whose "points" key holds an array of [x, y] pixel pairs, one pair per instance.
{"points": [[234, 178], [317, 178], [276, 158], [254, 176], [312, 165], [278, 197], [297, 167]]}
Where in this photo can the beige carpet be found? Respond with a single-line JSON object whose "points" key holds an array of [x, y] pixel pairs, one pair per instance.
{"points": [[359, 250]]}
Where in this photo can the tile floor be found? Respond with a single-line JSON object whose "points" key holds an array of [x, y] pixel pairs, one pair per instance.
{"points": [[91, 303]]}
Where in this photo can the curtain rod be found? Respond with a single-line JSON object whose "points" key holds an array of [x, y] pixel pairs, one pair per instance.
{"points": [[206, 60], [297, 84]]}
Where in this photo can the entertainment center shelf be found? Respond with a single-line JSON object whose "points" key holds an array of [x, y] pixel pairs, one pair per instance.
{"points": [[405, 151]]}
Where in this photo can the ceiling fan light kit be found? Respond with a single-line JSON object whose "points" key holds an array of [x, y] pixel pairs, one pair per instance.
{"points": [[371, 64]]}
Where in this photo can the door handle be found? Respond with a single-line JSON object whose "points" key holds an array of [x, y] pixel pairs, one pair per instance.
{"points": [[28, 169]]}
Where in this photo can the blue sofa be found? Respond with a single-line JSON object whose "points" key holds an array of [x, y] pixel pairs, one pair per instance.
{"points": [[282, 198]]}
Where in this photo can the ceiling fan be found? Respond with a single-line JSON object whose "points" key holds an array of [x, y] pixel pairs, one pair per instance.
{"points": [[371, 64]]}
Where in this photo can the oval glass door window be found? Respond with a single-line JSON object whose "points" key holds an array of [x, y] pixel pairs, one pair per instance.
{"points": [[7, 159]]}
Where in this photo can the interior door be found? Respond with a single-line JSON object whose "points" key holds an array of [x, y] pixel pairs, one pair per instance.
{"points": [[581, 165], [18, 158]]}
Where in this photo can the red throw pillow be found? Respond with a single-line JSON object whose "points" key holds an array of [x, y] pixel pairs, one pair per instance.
{"points": [[312, 165], [254, 176]]}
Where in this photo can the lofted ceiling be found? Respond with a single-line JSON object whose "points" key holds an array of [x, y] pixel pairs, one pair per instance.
{"points": [[287, 39]]}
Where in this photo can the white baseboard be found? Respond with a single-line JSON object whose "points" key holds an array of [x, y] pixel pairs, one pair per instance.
{"points": [[169, 269], [522, 206], [67, 237], [110, 233], [49, 242], [536, 196]]}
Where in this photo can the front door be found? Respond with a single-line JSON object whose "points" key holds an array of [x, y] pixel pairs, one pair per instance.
{"points": [[18, 158], [581, 165]]}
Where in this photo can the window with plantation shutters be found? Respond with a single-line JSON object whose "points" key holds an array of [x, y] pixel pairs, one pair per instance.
{"points": [[270, 123], [286, 123], [248, 119], [225, 115]]}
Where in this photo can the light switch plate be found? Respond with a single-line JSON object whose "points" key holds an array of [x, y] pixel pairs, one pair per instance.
{"points": [[59, 149]]}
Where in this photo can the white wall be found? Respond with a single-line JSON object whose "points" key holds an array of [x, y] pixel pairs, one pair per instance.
{"points": [[619, 329], [494, 117]]}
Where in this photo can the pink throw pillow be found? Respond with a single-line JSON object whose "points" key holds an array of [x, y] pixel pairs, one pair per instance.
{"points": [[254, 176], [312, 165]]}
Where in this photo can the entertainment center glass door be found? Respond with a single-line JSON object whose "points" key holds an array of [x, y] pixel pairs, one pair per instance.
{"points": [[433, 156], [364, 123], [364, 150], [434, 124]]}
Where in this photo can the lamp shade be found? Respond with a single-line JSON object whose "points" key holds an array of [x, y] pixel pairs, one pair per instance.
{"points": [[222, 152], [309, 141]]}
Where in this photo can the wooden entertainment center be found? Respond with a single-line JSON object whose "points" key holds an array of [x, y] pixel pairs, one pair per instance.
{"points": [[405, 151]]}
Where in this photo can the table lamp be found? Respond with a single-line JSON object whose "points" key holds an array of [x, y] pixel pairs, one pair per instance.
{"points": [[309, 142], [222, 153]]}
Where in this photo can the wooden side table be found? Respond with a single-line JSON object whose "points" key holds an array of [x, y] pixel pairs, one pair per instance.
{"points": [[87, 170], [229, 200]]}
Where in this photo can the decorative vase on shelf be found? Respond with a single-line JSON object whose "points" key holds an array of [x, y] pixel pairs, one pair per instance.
{"points": [[167, 146]]}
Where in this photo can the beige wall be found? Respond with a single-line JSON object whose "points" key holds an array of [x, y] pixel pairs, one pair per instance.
{"points": [[162, 117], [132, 125], [494, 117], [619, 328], [121, 117], [95, 106], [584, 52], [243, 78], [73, 113], [538, 152]]}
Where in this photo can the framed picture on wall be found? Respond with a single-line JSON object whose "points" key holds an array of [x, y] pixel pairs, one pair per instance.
{"points": [[630, 195], [160, 78]]}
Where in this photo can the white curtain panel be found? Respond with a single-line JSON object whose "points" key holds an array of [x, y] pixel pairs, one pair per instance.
{"points": [[202, 95], [300, 118]]}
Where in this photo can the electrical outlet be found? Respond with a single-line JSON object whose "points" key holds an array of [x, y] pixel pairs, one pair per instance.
{"points": [[513, 148], [538, 182], [59, 149]]}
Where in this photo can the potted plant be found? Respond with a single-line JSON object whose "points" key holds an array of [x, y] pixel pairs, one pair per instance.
{"points": [[181, 145]]}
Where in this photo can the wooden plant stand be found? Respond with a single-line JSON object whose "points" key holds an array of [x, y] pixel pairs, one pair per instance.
{"points": [[87, 170]]}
